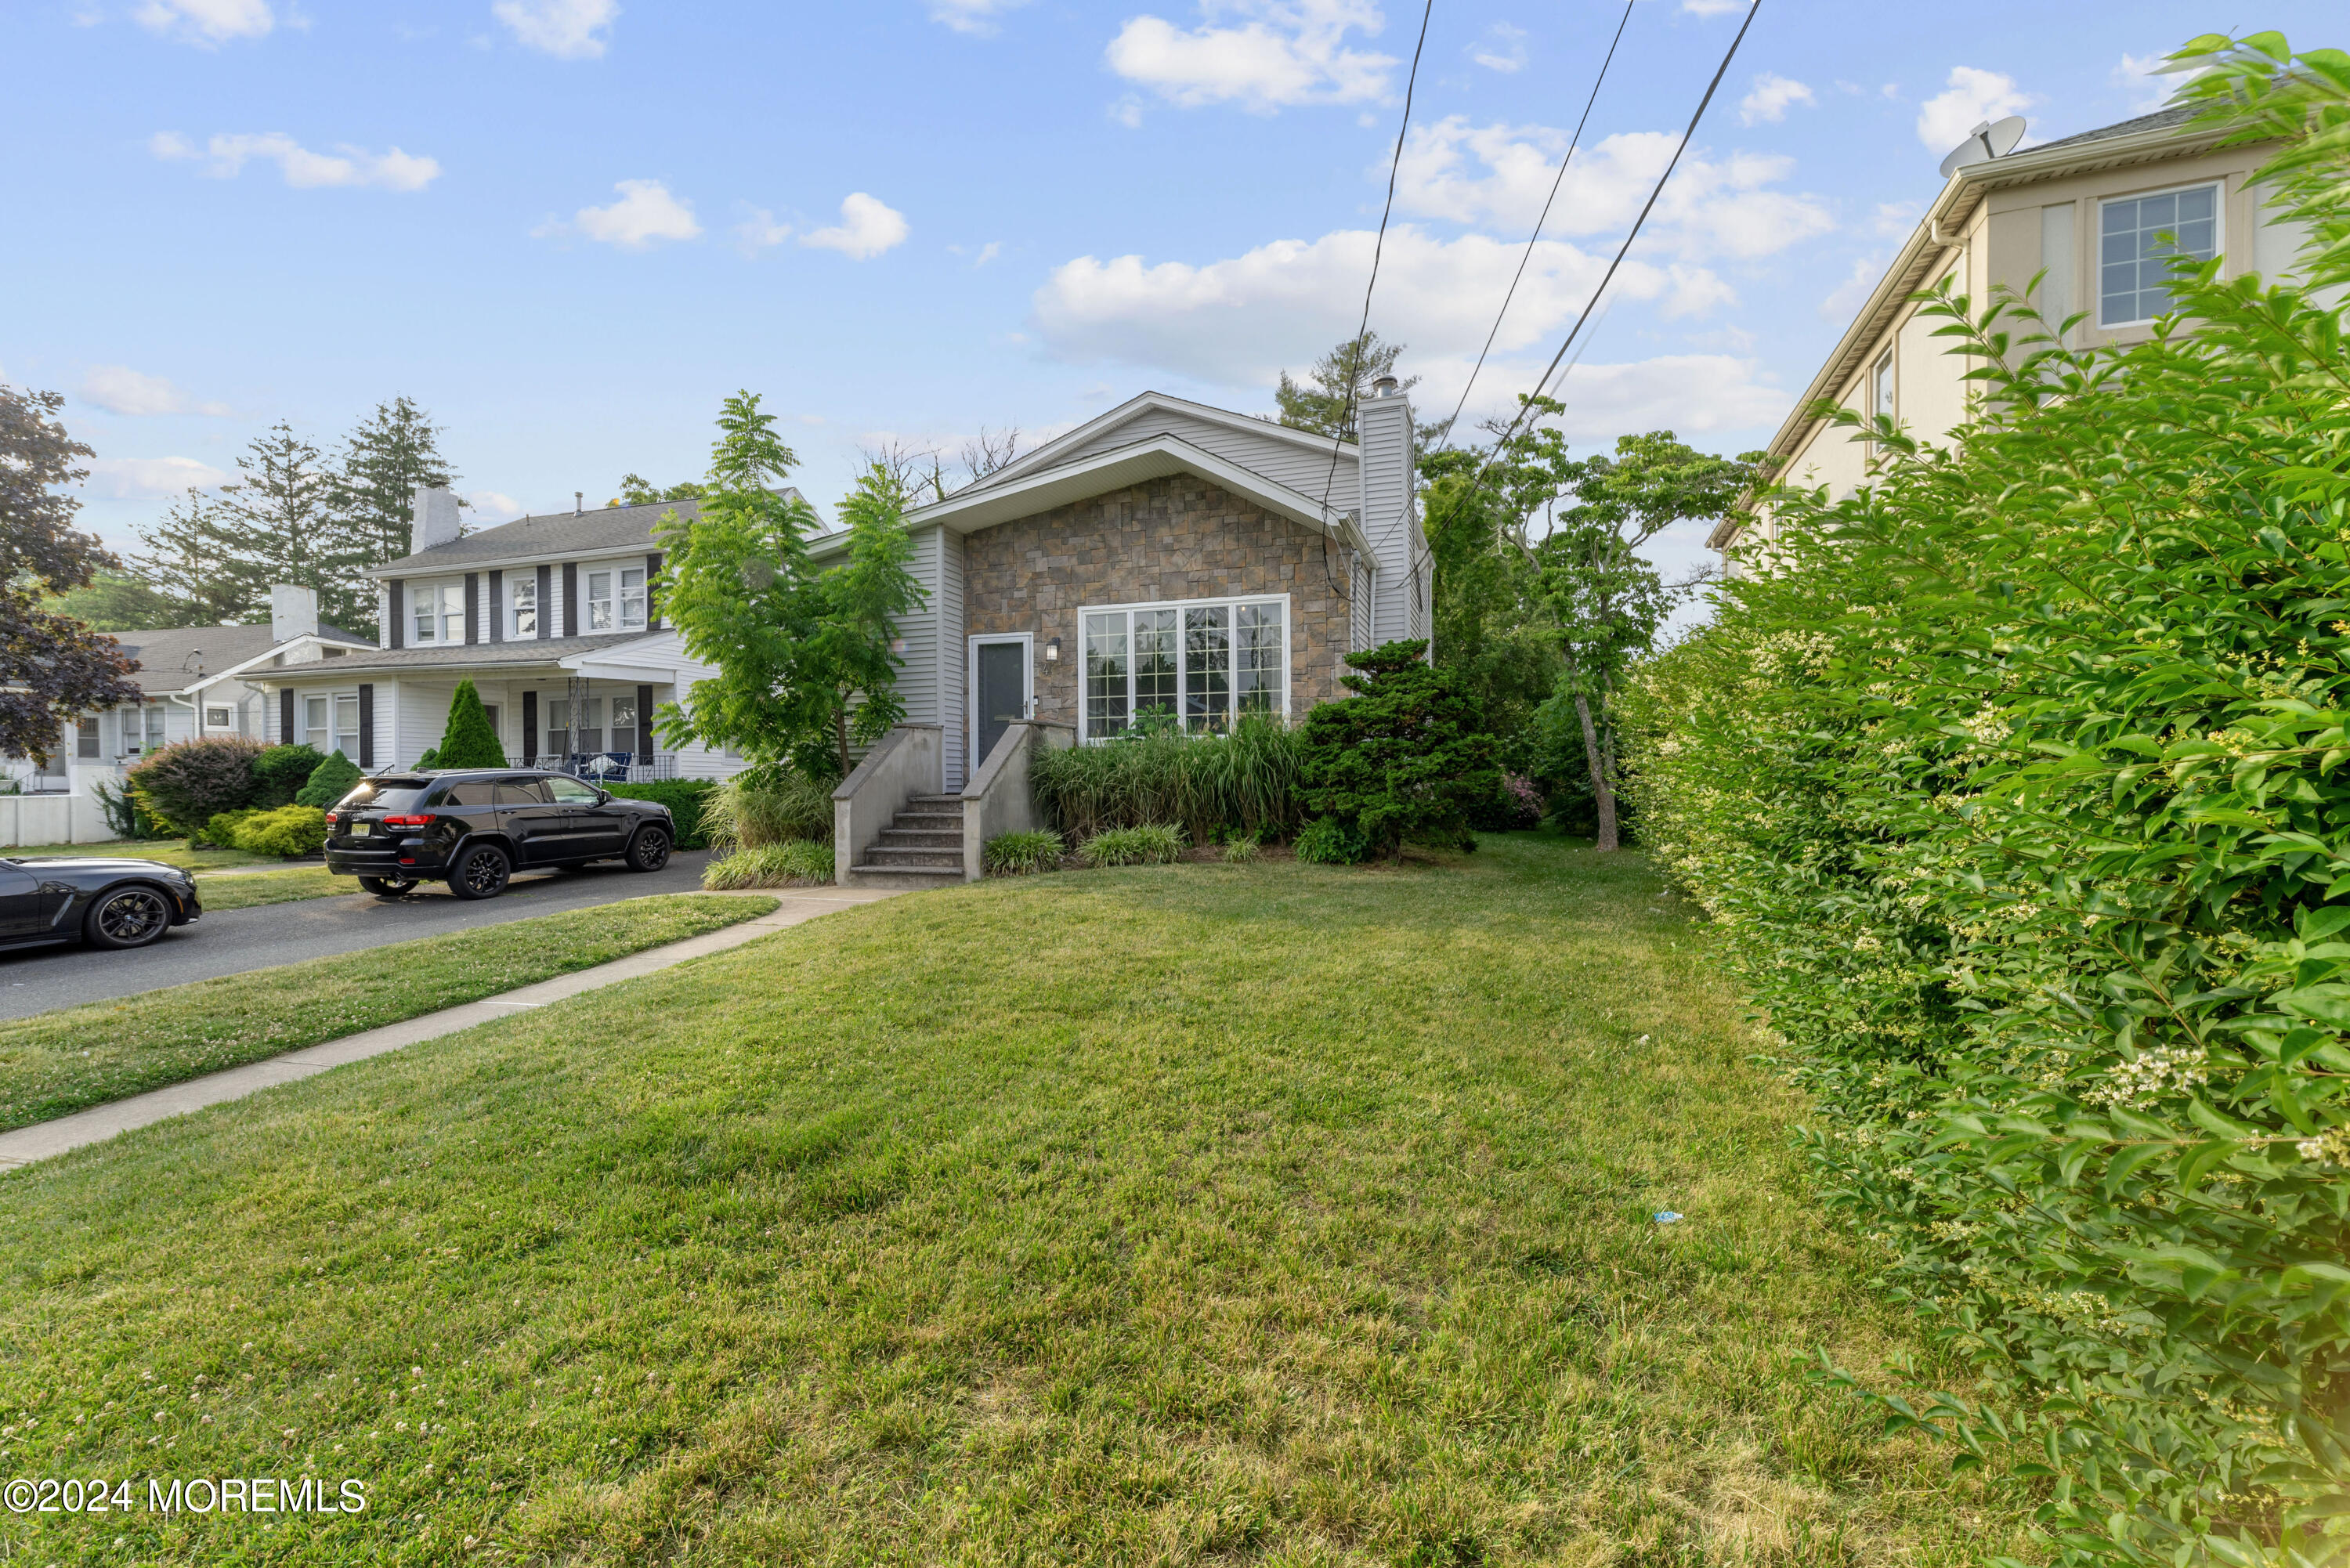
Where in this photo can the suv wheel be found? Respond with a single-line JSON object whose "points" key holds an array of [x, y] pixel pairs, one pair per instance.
{"points": [[388, 886], [128, 917], [481, 874], [649, 850]]}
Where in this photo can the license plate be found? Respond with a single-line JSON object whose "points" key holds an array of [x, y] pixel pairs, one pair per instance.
{"points": [[359, 830]]}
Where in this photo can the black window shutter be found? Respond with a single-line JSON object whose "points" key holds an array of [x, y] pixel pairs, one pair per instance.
{"points": [[396, 616], [286, 715], [545, 602], [644, 723], [367, 725], [530, 724], [472, 620], [571, 598], [497, 607], [652, 601]]}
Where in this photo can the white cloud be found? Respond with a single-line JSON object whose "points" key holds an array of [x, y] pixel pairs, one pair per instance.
{"points": [[391, 169], [1712, 7], [1710, 206], [1128, 112], [206, 22], [118, 389], [151, 478], [758, 231], [1893, 220], [1971, 96], [976, 17], [494, 506], [1771, 99], [867, 228], [645, 212], [1502, 49], [1283, 52], [1844, 302], [567, 29], [1240, 321], [2137, 77], [1690, 394]]}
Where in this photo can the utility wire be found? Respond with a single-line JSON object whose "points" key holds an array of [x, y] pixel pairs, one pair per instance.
{"points": [[1687, 136], [1573, 142]]}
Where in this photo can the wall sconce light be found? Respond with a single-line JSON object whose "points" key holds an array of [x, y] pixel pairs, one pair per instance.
{"points": [[1053, 650]]}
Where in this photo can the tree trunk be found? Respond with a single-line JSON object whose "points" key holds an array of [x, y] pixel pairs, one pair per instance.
{"points": [[1603, 793]]}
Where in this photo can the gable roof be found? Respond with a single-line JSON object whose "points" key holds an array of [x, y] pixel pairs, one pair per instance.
{"points": [[529, 651], [163, 653], [552, 536], [1137, 407]]}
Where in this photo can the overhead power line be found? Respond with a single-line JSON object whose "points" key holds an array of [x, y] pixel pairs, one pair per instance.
{"points": [[1573, 142]]}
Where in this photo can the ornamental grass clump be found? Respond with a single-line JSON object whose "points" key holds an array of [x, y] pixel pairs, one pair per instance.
{"points": [[2019, 787], [800, 863], [763, 807], [1245, 780], [1152, 844], [1024, 854]]}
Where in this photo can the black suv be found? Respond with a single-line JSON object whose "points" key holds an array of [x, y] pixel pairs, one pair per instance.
{"points": [[474, 828]]}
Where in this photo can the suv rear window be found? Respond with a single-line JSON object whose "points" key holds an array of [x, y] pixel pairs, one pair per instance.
{"points": [[386, 794]]}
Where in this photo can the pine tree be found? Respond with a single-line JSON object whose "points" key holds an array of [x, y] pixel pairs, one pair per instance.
{"points": [[279, 524], [469, 742], [1341, 380], [329, 781], [189, 559], [374, 483]]}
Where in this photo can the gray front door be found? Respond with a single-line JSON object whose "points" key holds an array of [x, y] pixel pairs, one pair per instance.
{"points": [[1003, 693]]}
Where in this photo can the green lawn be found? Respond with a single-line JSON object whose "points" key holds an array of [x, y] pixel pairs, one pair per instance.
{"points": [[1276, 1214], [245, 889], [53, 1062], [170, 851]]}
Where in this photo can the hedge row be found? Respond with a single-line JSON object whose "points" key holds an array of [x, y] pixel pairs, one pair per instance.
{"points": [[684, 799]]}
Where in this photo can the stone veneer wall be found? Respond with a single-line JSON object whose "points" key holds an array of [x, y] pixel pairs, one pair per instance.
{"points": [[1176, 538]]}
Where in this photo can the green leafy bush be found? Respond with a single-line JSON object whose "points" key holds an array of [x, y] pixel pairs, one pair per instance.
{"points": [[685, 799], [469, 742], [1243, 781], [292, 831], [189, 783], [2017, 790], [798, 863], [219, 832], [124, 815], [281, 770], [1021, 853], [329, 781], [1331, 841], [1406, 757], [1152, 844], [761, 806]]}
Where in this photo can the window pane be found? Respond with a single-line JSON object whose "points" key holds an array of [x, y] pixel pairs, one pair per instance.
{"points": [[1207, 667], [2121, 217], [422, 600], [1105, 674], [1155, 671], [600, 601], [571, 792], [1256, 661], [2142, 239]]}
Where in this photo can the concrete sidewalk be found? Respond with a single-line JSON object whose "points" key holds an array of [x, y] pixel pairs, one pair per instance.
{"points": [[44, 1140]]}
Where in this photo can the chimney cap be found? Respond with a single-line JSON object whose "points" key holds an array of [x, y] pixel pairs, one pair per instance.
{"points": [[1384, 387]]}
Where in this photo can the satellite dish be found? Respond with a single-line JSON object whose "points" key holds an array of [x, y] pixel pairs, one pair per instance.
{"points": [[1992, 139]]}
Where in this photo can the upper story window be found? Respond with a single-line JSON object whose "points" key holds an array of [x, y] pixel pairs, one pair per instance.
{"points": [[2139, 237], [1204, 663], [438, 612], [615, 600], [522, 608], [1881, 395]]}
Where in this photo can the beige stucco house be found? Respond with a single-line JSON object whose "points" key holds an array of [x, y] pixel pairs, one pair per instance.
{"points": [[2085, 210]]}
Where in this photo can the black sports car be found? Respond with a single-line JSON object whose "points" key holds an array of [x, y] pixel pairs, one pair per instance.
{"points": [[99, 899]]}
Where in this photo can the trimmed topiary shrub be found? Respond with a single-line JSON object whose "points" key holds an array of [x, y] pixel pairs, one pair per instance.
{"points": [[292, 831], [686, 800], [333, 779], [1406, 757], [1022, 854], [469, 742], [1152, 844], [189, 783], [282, 771], [800, 863], [1331, 842]]}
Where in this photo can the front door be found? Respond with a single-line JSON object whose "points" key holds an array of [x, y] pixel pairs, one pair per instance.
{"points": [[1000, 691]]}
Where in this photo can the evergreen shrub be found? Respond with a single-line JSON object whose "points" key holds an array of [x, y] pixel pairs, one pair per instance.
{"points": [[685, 799], [187, 784], [281, 770], [1331, 841], [292, 831], [1406, 757], [469, 742], [329, 781]]}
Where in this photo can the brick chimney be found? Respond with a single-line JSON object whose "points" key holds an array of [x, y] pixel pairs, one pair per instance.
{"points": [[434, 521], [293, 611]]}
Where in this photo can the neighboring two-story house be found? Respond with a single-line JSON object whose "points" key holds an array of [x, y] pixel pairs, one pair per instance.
{"points": [[1166, 556], [2090, 212]]}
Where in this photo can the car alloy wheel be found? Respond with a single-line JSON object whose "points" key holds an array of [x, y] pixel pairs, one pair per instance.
{"points": [[129, 917], [481, 875], [649, 851]]}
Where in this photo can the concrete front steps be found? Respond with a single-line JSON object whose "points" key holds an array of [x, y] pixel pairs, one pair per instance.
{"points": [[921, 847]]}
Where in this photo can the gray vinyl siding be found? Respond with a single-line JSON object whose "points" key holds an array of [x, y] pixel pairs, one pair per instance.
{"points": [[918, 666], [1387, 514], [1303, 469], [948, 600], [420, 716], [1359, 584]]}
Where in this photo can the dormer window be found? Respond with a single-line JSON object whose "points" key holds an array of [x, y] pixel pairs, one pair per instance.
{"points": [[615, 600], [438, 612], [522, 612]]}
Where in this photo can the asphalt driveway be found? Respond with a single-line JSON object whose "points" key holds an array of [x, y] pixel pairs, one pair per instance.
{"points": [[35, 980]]}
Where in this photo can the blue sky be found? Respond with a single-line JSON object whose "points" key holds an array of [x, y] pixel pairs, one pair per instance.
{"points": [[569, 227]]}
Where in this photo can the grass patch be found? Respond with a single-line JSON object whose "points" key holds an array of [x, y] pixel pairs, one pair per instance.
{"points": [[245, 891], [54, 1063], [1278, 1214], [170, 851]]}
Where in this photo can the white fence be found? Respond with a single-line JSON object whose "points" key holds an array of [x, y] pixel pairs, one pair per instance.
{"points": [[52, 819]]}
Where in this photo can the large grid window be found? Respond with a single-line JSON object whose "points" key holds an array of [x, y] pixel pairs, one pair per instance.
{"points": [[2139, 237], [1202, 664]]}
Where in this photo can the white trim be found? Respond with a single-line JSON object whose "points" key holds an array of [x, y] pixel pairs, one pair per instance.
{"points": [[1230, 601], [1048, 455], [1027, 641], [2217, 185], [421, 566]]}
